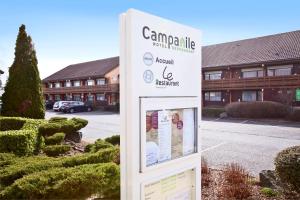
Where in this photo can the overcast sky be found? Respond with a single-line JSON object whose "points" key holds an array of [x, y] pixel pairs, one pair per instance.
{"points": [[71, 31]]}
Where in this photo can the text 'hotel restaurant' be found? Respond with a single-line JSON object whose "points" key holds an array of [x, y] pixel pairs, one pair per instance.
{"points": [[258, 69]]}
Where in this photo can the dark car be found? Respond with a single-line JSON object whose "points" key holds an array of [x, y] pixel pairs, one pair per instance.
{"points": [[76, 107], [49, 104]]}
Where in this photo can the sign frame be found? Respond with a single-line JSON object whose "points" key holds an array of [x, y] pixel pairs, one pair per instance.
{"points": [[133, 87]]}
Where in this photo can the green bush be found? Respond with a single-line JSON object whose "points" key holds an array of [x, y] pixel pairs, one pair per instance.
{"points": [[6, 159], [114, 140], [19, 142], [101, 180], [56, 150], [212, 112], [49, 129], [257, 109], [81, 123], [11, 123], [29, 165], [99, 144], [57, 138], [287, 167], [294, 115], [57, 119]]}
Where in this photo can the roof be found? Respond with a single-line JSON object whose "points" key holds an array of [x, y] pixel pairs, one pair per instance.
{"points": [[97, 68], [279, 47]]}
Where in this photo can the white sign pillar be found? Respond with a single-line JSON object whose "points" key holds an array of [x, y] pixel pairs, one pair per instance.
{"points": [[160, 95]]}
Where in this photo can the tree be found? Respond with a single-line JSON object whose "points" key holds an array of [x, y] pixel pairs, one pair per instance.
{"points": [[23, 93]]}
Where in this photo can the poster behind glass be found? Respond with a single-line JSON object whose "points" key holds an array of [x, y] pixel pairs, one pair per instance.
{"points": [[170, 134]]}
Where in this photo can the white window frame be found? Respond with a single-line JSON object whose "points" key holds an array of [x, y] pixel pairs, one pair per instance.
{"points": [[101, 81], [90, 82], [249, 100], [76, 84], [280, 67], [57, 85], [100, 97], [209, 97]]}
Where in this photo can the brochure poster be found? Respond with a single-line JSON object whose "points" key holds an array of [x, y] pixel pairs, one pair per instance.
{"points": [[176, 187], [170, 134]]}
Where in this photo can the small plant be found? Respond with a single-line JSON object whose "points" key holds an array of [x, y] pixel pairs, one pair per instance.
{"points": [[237, 184], [56, 150], [205, 173], [57, 138], [57, 119], [98, 145], [268, 192]]}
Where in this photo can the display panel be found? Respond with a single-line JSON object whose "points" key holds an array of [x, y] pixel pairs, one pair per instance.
{"points": [[170, 134], [177, 187]]}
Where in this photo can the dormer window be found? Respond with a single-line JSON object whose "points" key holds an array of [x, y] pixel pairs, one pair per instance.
{"points": [[76, 83], [68, 83], [101, 81], [57, 85], [284, 70], [252, 73]]}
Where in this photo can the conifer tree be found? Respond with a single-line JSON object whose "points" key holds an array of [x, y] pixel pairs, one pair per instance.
{"points": [[23, 94]]}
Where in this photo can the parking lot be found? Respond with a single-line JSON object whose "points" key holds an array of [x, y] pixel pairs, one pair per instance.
{"points": [[254, 144]]}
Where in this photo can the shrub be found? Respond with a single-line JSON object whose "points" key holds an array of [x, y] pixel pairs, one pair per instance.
{"points": [[294, 115], [20, 142], [81, 123], [57, 138], [268, 192], [115, 139], [257, 109], [49, 129], [11, 123], [287, 167], [57, 119], [101, 180], [6, 159], [99, 144], [212, 112], [236, 184], [29, 165], [56, 150]]}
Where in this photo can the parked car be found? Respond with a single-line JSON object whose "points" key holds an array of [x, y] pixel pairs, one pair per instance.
{"points": [[49, 104], [57, 105], [76, 107]]}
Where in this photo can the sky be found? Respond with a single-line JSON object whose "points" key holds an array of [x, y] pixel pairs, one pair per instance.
{"points": [[65, 32]]}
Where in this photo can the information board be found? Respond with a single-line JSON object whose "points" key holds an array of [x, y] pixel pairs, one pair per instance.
{"points": [[298, 94], [160, 98], [170, 134], [180, 186]]}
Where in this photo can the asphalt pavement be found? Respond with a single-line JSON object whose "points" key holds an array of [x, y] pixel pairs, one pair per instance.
{"points": [[251, 143]]}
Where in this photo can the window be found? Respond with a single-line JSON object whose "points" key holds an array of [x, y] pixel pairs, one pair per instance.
{"points": [[68, 97], [91, 98], [57, 85], [57, 97], [76, 83], [101, 81], [216, 75], [249, 96], [100, 97], [76, 97], [50, 85], [68, 84], [90, 82], [252, 74], [213, 96], [280, 71]]}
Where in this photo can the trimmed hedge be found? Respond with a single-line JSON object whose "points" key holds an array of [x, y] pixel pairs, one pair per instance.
{"points": [[29, 165], [57, 119], [99, 144], [287, 166], [11, 123], [19, 142], [257, 109], [57, 138], [65, 126], [56, 150], [6, 159], [212, 112], [102, 180], [114, 140]]}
